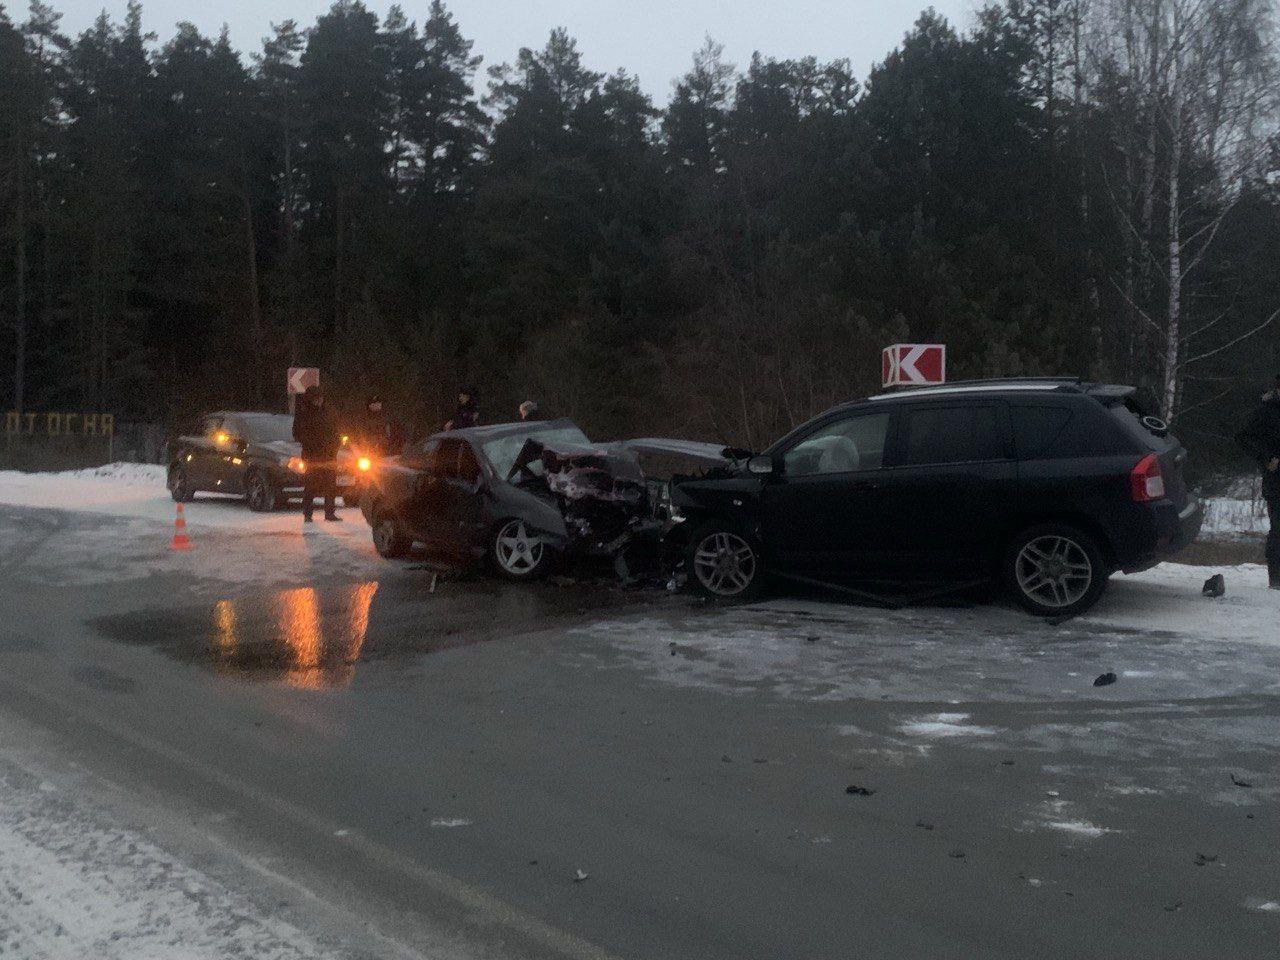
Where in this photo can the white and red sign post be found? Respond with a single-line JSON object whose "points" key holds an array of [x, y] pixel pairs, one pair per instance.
{"points": [[297, 381], [913, 364]]}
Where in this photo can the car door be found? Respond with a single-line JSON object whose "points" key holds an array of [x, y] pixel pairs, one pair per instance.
{"points": [[227, 464], [461, 498], [822, 511], [953, 484], [204, 452], [419, 503]]}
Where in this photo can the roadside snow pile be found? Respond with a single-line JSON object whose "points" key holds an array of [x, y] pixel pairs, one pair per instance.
{"points": [[1228, 517], [74, 489]]}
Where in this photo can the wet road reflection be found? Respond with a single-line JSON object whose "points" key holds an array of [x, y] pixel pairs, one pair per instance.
{"points": [[308, 647], [313, 637]]}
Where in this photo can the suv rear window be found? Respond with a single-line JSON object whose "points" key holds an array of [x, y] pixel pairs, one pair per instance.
{"points": [[953, 435], [1035, 428], [1045, 431]]}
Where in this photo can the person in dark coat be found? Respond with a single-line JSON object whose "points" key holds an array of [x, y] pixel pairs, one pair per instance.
{"points": [[314, 428], [380, 433], [1261, 437], [467, 414]]}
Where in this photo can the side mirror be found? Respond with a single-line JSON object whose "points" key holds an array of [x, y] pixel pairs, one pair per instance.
{"points": [[761, 466]]}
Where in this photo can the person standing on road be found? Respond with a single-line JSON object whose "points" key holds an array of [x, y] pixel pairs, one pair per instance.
{"points": [[467, 414], [315, 429], [380, 433], [1261, 437]]}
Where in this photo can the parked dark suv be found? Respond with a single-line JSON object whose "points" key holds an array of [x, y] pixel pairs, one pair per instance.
{"points": [[1048, 486]]}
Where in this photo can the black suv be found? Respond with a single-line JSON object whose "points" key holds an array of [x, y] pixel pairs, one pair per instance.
{"points": [[1047, 485]]}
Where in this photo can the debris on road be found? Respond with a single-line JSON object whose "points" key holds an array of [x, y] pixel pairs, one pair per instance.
{"points": [[1215, 586], [956, 854], [579, 875], [924, 824], [1203, 858], [854, 790], [1105, 680], [1240, 783]]}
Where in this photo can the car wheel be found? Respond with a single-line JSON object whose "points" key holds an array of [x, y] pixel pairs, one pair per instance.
{"points": [[262, 495], [1055, 570], [726, 563], [389, 537], [180, 487], [518, 553]]}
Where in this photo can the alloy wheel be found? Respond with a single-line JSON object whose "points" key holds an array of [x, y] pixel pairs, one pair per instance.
{"points": [[1054, 571], [725, 564], [518, 552]]}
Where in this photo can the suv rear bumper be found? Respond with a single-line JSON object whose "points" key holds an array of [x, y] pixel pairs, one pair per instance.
{"points": [[1170, 530]]}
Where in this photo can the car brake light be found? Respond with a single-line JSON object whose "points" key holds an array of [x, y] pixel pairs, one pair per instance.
{"points": [[1146, 481]]}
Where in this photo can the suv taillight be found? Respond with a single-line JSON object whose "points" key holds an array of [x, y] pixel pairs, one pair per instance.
{"points": [[1146, 481]]}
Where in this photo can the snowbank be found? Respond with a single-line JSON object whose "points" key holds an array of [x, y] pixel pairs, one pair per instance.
{"points": [[1230, 517]]}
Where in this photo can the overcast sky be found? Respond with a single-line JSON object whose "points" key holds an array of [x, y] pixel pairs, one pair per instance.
{"points": [[652, 38]]}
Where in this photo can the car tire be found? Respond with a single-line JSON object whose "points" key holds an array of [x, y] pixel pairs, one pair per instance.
{"points": [[517, 553], [1055, 570], [725, 563], [390, 538], [261, 493], [180, 487]]}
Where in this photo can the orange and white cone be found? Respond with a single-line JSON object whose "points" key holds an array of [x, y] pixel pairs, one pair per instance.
{"points": [[180, 541]]}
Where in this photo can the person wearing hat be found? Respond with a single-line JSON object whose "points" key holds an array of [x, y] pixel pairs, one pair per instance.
{"points": [[315, 429], [1261, 438], [528, 410], [467, 414]]}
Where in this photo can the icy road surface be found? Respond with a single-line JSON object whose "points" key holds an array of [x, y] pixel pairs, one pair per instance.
{"points": [[280, 745]]}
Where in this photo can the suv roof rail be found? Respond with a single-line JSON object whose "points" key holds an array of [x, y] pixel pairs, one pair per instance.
{"points": [[977, 386]]}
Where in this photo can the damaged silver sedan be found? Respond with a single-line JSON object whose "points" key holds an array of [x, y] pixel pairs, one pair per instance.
{"points": [[524, 496]]}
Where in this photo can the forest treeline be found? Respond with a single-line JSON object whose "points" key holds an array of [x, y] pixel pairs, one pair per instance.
{"points": [[1065, 186]]}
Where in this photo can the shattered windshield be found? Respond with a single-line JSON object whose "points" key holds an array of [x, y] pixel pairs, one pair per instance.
{"points": [[501, 452]]}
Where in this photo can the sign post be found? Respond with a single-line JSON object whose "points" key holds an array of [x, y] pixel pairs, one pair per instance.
{"points": [[913, 364], [298, 380]]}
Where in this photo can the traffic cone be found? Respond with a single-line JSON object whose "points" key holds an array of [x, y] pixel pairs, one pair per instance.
{"points": [[180, 541]]}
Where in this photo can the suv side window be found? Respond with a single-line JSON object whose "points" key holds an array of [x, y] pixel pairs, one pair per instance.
{"points": [[959, 434], [845, 446], [1036, 427]]}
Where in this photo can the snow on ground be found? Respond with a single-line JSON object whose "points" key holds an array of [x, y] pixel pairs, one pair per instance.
{"points": [[74, 885], [1226, 517], [230, 542]]}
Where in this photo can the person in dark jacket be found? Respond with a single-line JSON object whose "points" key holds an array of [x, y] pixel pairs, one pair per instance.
{"points": [[1261, 437], [467, 414], [380, 434], [315, 429]]}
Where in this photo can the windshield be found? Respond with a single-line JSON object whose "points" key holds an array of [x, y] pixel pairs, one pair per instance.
{"points": [[268, 427], [502, 451]]}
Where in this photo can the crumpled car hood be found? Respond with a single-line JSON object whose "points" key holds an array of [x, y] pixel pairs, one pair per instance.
{"points": [[711, 453]]}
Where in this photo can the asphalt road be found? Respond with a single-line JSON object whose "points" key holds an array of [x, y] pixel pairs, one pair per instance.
{"points": [[402, 771]]}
